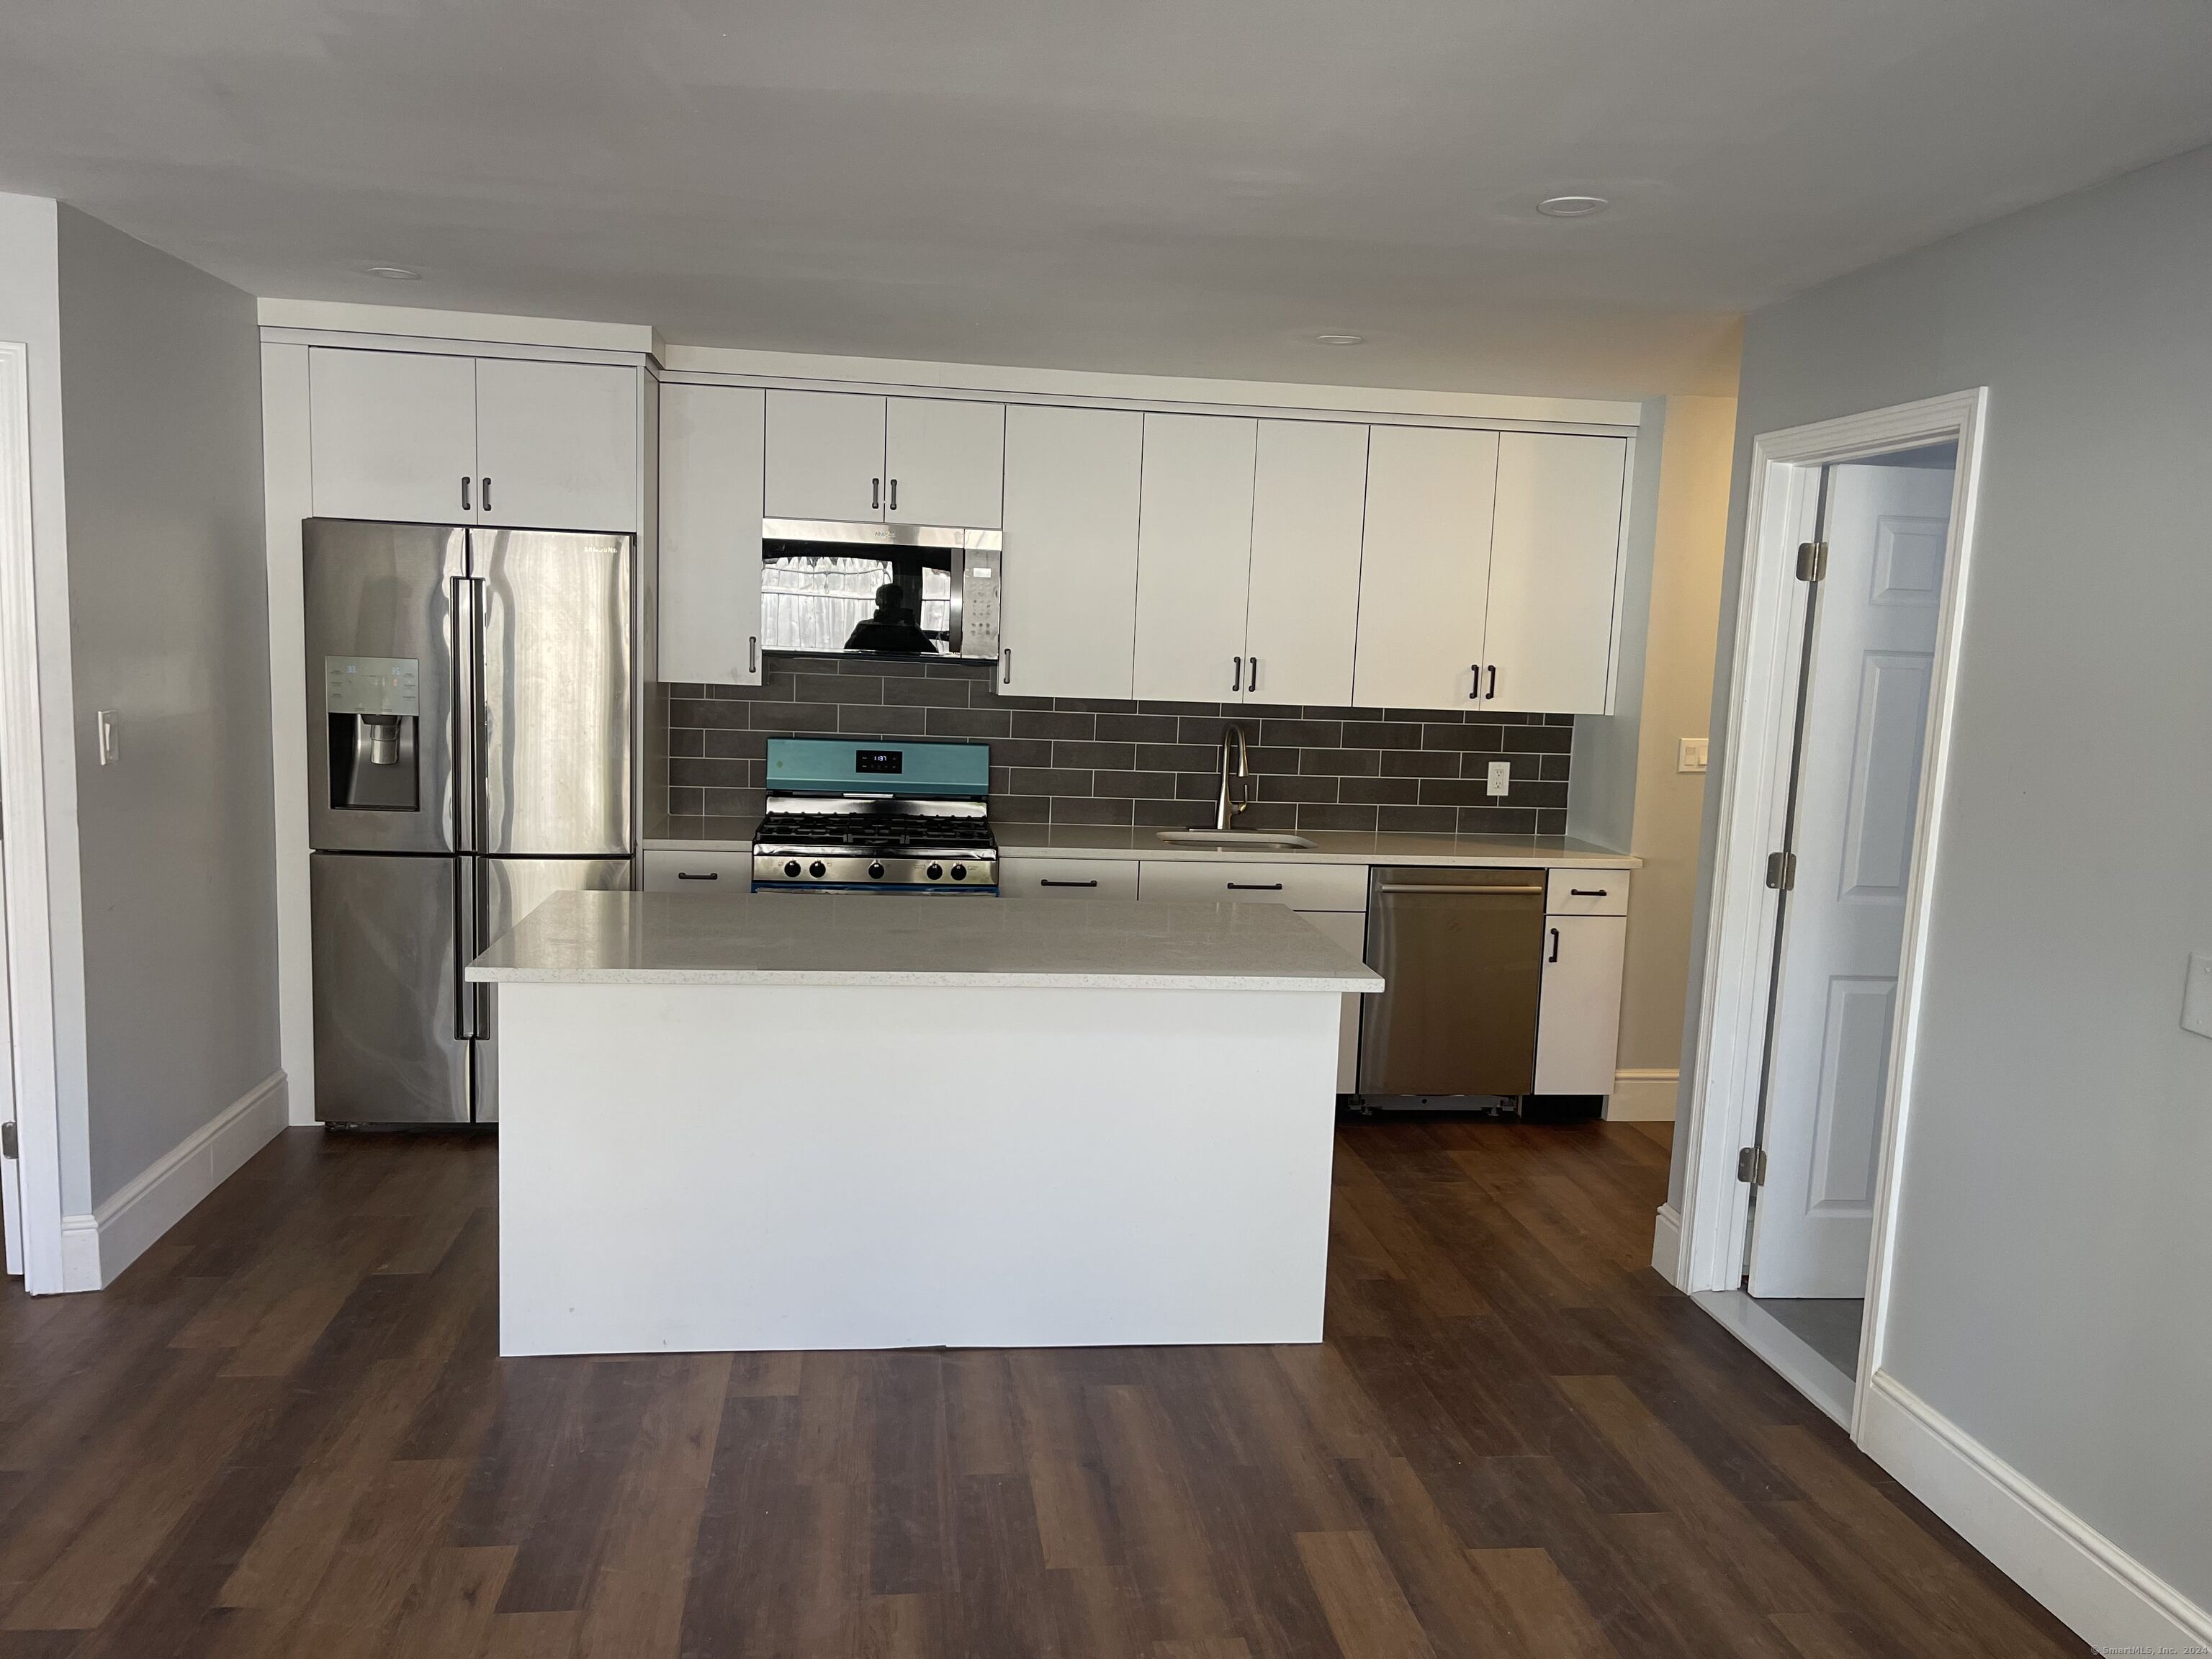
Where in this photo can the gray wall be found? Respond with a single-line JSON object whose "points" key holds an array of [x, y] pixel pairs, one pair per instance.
{"points": [[2051, 1289], [169, 626]]}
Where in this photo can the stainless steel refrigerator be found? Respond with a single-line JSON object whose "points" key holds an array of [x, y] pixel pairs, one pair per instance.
{"points": [[468, 754]]}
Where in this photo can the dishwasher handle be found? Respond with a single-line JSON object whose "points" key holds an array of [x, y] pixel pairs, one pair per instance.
{"points": [[1442, 887]]}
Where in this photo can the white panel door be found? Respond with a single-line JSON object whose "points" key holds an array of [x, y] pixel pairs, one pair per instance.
{"points": [[825, 456], [1425, 567], [1578, 1019], [1349, 929], [711, 438], [1843, 930], [1195, 554], [392, 435], [1068, 612], [945, 461], [1308, 503], [1553, 555], [557, 445]]}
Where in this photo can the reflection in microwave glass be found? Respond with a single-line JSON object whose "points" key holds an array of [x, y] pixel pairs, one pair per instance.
{"points": [[813, 602]]}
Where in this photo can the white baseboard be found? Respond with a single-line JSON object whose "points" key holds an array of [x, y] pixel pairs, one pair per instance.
{"points": [[1644, 1095], [2105, 1595], [96, 1247], [1666, 1244]]}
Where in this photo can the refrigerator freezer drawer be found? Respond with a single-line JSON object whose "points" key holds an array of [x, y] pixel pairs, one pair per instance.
{"points": [[386, 970]]}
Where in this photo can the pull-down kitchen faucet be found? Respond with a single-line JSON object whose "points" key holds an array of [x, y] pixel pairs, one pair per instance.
{"points": [[1232, 742]]}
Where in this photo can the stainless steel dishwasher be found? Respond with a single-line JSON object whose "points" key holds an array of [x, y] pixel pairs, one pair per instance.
{"points": [[1462, 955]]}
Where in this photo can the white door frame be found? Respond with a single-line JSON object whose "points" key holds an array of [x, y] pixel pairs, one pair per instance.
{"points": [[1740, 930], [23, 832]]}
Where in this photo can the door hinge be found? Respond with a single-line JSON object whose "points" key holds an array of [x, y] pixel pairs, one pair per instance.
{"points": [[1751, 1165], [1782, 871], [1812, 560], [8, 1141]]}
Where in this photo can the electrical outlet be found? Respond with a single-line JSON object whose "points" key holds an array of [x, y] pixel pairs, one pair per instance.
{"points": [[1501, 777], [111, 744], [1690, 757], [2196, 995]]}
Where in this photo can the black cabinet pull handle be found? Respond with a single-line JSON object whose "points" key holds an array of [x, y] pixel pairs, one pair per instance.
{"points": [[486, 495], [1475, 694], [894, 501], [465, 507], [1006, 666], [686, 875], [876, 494], [1255, 887], [1554, 956], [1586, 892], [1493, 682], [1237, 682], [1046, 881]]}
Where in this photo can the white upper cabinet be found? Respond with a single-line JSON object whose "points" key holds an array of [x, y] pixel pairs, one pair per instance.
{"points": [[435, 439], [1068, 613], [556, 445], [1554, 558], [1309, 496], [392, 435], [711, 439], [945, 462], [825, 456], [1424, 574], [1194, 552]]}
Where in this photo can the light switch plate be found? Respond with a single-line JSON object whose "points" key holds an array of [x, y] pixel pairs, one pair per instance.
{"points": [[1690, 757], [2197, 996], [1501, 777], [110, 745]]}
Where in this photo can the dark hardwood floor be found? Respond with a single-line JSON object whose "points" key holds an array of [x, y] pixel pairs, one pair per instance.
{"points": [[286, 1432]]}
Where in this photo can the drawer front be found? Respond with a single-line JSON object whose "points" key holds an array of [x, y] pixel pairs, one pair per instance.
{"points": [[1301, 886], [1067, 879], [695, 872], [1587, 893]]}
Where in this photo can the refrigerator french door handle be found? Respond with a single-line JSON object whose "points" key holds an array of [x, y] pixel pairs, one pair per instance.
{"points": [[468, 713], [468, 929]]}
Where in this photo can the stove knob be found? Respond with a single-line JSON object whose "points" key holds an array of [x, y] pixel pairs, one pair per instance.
{"points": [[791, 868], [959, 873], [935, 871], [817, 869], [876, 873]]}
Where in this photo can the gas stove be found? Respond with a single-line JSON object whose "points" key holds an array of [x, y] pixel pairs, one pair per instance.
{"points": [[875, 816]]}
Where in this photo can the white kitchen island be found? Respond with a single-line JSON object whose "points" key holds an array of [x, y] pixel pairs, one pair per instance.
{"points": [[807, 1121]]}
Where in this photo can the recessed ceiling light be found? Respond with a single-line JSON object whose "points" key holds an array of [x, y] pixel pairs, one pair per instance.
{"points": [[392, 273], [1571, 207], [1339, 339]]}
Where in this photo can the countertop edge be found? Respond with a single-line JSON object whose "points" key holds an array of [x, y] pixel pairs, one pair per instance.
{"points": [[1335, 984], [1015, 847]]}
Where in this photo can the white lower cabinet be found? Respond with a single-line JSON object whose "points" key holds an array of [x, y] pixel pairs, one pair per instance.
{"points": [[1578, 1019], [1067, 879], [695, 872]]}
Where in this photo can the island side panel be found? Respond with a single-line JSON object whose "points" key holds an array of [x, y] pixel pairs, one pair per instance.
{"points": [[705, 1167]]}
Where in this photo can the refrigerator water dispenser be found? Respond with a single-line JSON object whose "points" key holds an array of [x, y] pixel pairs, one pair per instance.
{"points": [[374, 711]]}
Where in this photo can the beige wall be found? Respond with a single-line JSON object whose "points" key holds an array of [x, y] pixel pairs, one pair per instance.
{"points": [[1688, 549]]}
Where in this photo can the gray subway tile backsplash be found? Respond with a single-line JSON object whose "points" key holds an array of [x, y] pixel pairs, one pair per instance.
{"points": [[1150, 763]]}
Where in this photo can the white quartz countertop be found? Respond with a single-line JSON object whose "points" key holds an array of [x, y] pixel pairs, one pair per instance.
{"points": [[888, 938], [1071, 840]]}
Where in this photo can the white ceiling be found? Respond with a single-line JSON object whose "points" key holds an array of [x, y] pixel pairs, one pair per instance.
{"points": [[1191, 186]]}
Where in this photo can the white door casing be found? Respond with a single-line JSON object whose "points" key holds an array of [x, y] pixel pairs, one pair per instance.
{"points": [[1425, 574], [1308, 502], [1067, 615], [825, 456], [943, 461], [1869, 675], [1194, 556]]}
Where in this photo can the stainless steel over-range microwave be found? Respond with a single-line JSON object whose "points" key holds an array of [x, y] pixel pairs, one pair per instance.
{"points": [[879, 589]]}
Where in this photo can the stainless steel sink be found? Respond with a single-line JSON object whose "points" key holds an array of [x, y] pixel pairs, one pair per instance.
{"points": [[1281, 838]]}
